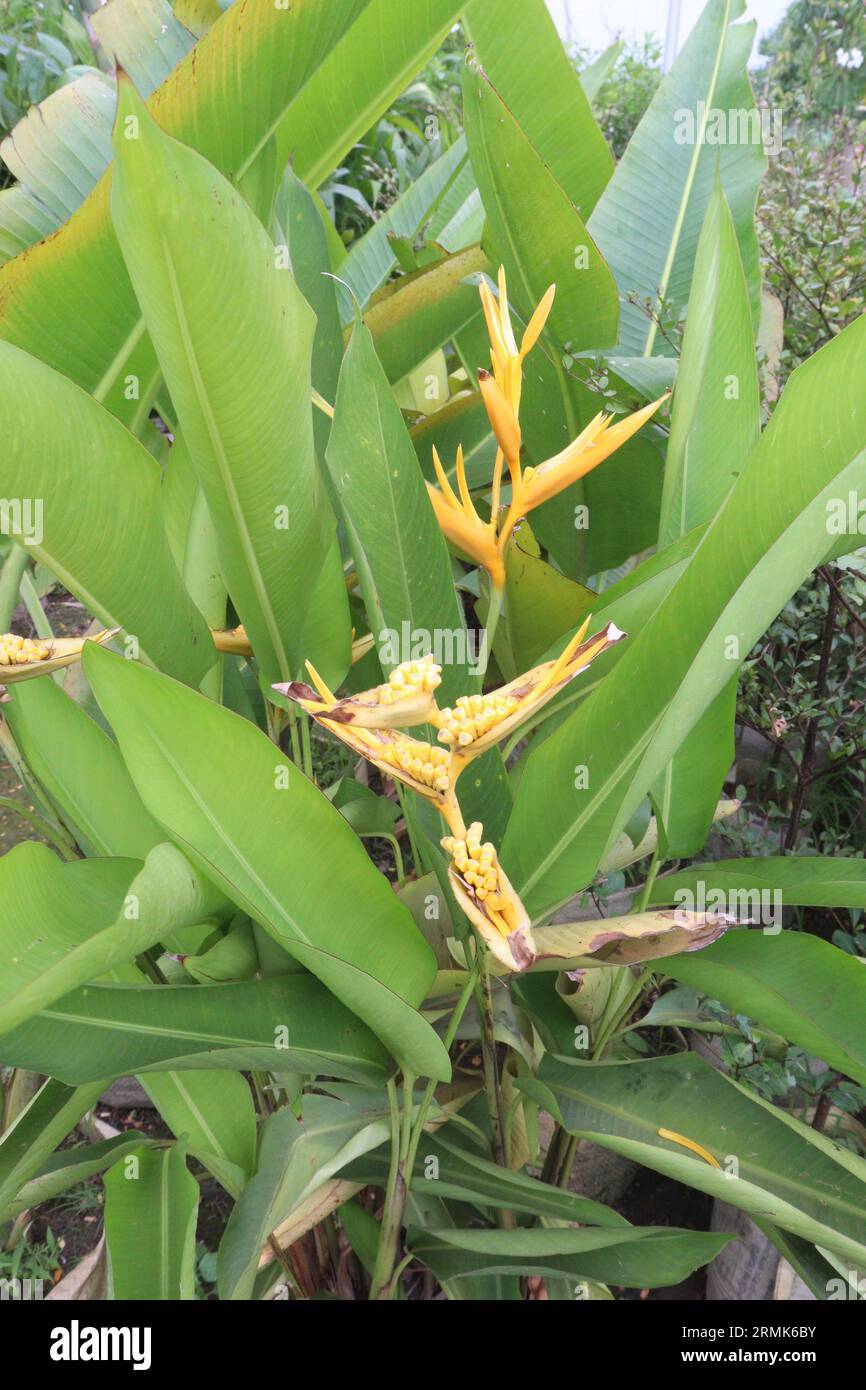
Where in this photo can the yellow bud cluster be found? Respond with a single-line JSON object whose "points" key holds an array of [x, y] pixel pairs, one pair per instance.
{"points": [[20, 651], [419, 760], [473, 716], [411, 678], [477, 865]]}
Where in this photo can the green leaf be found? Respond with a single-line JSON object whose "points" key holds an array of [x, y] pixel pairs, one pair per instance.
{"points": [[545, 95], [649, 1258], [461, 1175], [414, 315], [296, 1158], [226, 99], [234, 338], [144, 37], [648, 219], [715, 422], [810, 992], [534, 225], [214, 1114], [251, 821], [151, 1205], [363, 73], [770, 533], [37, 1130], [290, 1023], [786, 1172], [108, 546], [801, 880], [82, 771], [63, 924]]}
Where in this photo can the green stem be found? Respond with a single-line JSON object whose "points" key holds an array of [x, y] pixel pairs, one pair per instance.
{"points": [[10, 583], [41, 826], [655, 865], [395, 1202], [306, 746], [484, 996], [405, 1138]]}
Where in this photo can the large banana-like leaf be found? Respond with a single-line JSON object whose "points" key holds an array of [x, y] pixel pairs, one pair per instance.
{"points": [[519, 49], [225, 99], [534, 225], [646, 1258], [290, 1022], [362, 74], [97, 521], [715, 421], [462, 1175], [648, 219], [63, 924], [61, 148], [806, 990], [770, 533], [670, 1112], [234, 339], [800, 880], [151, 1205], [235, 805]]}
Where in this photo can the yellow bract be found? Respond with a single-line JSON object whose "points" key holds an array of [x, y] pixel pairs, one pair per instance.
{"points": [[485, 541], [22, 658]]}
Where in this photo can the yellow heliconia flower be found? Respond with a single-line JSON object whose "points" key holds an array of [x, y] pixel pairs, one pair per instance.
{"points": [[485, 895], [22, 658], [477, 722], [370, 724], [485, 541]]}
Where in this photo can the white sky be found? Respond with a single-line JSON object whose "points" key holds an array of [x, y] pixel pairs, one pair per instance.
{"points": [[596, 23]]}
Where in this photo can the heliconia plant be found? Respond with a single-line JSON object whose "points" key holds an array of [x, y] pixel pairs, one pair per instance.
{"points": [[366, 560]]}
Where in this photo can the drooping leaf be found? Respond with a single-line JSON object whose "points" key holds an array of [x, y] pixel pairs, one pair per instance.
{"points": [[810, 992], [649, 1257], [770, 1165], [289, 1023], [63, 924], [235, 805]]}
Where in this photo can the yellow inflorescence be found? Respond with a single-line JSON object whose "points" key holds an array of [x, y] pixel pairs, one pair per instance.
{"points": [[411, 678], [476, 864], [473, 716], [20, 651], [422, 761]]}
